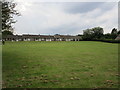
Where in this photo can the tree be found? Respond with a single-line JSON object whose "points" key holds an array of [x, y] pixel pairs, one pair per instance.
{"points": [[87, 34], [92, 34], [97, 32], [114, 33], [79, 35], [8, 12], [107, 36], [5, 33], [118, 32]]}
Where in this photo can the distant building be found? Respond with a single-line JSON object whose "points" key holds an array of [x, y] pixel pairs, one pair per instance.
{"points": [[118, 37], [27, 37]]}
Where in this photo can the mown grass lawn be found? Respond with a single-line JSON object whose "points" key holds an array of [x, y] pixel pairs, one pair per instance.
{"points": [[83, 64]]}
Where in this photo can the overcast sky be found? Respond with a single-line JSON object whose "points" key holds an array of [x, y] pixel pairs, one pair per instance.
{"points": [[65, 18]]}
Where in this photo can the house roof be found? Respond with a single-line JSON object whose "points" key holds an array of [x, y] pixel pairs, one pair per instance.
{"points": [[44, 36], [67, 36], [118, 37]]}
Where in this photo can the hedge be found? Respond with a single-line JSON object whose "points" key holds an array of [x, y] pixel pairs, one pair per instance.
{"points": [[108, 41]]}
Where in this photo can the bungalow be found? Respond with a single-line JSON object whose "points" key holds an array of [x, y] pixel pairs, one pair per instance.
{"points": [[27, 37], [118, 37]]}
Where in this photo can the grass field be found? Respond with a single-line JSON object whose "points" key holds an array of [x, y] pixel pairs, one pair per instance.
{"points": [[83, 64]]}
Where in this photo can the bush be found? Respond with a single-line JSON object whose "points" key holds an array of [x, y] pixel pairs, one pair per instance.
{"points": [[105, 40]]}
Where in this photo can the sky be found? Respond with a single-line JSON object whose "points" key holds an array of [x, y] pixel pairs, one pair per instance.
{"points": [[49, 18]]}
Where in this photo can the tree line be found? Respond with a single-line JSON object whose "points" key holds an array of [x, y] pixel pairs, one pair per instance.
{"points": [[97, 33]]}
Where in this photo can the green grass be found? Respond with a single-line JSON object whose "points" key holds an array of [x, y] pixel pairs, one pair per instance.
{"points": [[83, 64]]}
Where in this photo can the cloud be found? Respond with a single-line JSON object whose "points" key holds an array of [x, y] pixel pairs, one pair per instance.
{"points": [[65, 18], [80, 7]]}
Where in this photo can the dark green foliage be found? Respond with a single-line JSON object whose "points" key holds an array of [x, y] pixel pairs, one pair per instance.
{"points": [[97, 34], [94, 33], [118, 32], [5, 33], [87, 34], [114, 33], [108, 40], [8, 11], [107, 36], [111, 41], [79, 35]]}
